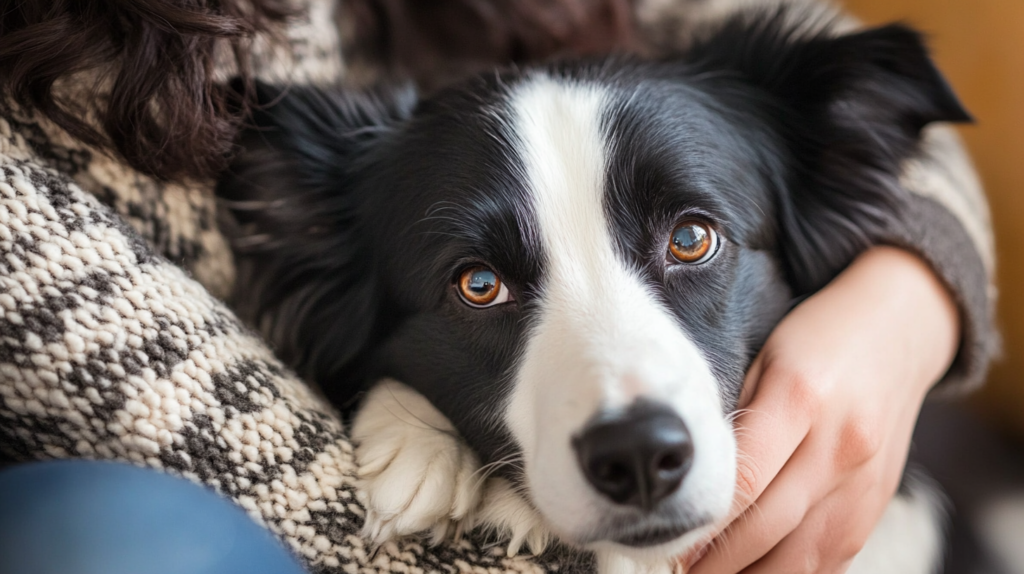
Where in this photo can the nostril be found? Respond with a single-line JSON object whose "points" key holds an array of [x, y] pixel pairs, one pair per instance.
{"points": [[669, 462], [614, 477], [677, 456], [614, 472]]}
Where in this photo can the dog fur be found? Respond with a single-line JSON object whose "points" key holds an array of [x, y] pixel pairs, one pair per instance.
{"points": [[356, 212]]}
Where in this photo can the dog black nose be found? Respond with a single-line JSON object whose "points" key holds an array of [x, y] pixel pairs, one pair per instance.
{"points": [[637, 456]]}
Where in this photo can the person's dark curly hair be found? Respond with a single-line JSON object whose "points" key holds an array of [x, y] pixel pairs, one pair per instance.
{"points": [[165, 115], [158, 57]]}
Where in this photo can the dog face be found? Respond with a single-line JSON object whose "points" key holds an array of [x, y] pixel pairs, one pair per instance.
{"points": [[576, 263], [573, 207]]}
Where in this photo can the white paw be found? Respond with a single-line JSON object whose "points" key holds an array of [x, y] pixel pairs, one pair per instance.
{"points": [[419, 476], [505, 511]]}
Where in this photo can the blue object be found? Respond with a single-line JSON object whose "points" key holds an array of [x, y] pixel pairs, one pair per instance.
{"points": [[86, 517]]}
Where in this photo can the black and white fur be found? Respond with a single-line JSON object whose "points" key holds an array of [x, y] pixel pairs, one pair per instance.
{"points": [[357, 212]]}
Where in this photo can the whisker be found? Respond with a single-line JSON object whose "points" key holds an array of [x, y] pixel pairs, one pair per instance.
{"points": [[490, 468], [731, 417]]}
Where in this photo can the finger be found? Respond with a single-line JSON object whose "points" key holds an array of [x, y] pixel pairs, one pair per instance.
{"points": [[779, 511], [830, 535], [800, 552], [838, 522], [700, 549], [769, 431], [751, 381]]}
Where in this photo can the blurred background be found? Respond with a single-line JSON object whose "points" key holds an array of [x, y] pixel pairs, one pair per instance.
{"points": [[977, 449]]}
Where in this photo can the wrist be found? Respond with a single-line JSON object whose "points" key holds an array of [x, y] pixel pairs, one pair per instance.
{"points": [[911, 300]]}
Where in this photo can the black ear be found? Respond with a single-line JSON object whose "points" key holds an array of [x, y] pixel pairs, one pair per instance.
{"points": [[850, 109], [304, 277]]}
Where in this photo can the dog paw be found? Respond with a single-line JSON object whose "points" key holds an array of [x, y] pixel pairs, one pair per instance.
{"points": [[505, 511], [418, 475]]}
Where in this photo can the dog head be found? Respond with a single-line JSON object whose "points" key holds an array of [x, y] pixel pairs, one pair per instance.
{"points": [[576, 263]]}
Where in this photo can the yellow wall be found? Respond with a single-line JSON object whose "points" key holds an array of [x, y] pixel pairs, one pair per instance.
{"points": [[979, 44]]}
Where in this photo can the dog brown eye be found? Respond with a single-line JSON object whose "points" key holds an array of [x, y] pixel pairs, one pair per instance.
{"points": [[480, 286], [693, 242]]}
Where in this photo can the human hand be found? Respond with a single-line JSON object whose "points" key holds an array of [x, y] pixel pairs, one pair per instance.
{"points": [[830, 406]]}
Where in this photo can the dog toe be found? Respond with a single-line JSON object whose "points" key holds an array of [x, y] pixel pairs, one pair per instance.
{"points": [[418, 475]]}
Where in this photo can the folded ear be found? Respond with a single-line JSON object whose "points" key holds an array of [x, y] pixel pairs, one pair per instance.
{"points": [[850, 109], [304, 277]]}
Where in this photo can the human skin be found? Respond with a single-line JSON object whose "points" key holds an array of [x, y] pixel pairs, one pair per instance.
{"points": [[829, 406]]}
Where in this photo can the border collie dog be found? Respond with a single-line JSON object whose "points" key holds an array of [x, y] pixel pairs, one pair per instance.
{"points": [[543, 285]]}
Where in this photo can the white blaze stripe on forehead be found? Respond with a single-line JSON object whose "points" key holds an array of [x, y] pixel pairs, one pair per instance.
{"points": [[564, 154], [601, 339]]}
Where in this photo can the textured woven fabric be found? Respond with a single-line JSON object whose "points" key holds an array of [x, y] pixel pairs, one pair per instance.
{"points": [[114, 342], [108, 350]]}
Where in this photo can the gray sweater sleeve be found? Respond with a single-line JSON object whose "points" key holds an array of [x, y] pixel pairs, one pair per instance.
{"points": [[946, 220], [947, 223]]}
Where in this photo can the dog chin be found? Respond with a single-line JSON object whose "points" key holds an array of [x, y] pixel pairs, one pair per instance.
{"points": [[654, 550], [643, 538]]}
